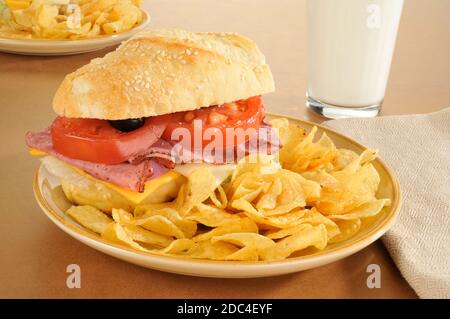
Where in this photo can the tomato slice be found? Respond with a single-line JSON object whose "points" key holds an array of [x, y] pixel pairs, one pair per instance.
{"points": [[97, 141], [243, 114]]}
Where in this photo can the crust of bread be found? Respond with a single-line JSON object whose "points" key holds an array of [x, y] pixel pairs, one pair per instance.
{"points": [[164, 71]]}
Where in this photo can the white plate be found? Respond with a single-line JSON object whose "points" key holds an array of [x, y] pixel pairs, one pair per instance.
{"points": [[67, 47], [370, 231]]}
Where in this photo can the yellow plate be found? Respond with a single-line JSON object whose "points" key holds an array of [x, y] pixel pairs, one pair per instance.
{"points": [[370, 231], [67, 47]]}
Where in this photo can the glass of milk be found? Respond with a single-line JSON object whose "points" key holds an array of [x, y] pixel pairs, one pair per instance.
{"points": [[350, 47]]}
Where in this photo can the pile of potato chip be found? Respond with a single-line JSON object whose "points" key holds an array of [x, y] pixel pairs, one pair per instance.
{"points": [[309, 195], [67, 19]]}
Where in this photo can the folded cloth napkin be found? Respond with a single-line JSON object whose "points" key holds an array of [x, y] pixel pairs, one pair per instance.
{"points": [[417, 148]]}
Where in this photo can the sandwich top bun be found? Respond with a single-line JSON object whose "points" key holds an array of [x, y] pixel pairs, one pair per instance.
{"points": [[164, 71]]}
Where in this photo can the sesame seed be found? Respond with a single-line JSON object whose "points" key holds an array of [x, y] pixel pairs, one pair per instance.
{"points": [[188, 52], [137, 89], [127, 83], [147, 85]]}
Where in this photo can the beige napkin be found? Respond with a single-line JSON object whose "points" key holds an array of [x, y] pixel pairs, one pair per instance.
{"points": [[417, 148]]}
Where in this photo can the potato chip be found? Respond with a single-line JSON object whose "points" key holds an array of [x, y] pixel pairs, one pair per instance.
{"points": [[247, 186], [366, 156], [266, 222], [113, 27], [144, 209], [145, 236], [161, 225], [348, 228], [369, 209], [138, 233], [211, 216], [311, 190], [355, 188], [90, 217], [284, 197], [208, 250], [188, 227], [325, 179], [177, 246], [58, 196], [252, 245], [127, 13], [117, 233], [276, 193], [242, 225], [289, 134], [311, 236], [300, 153], [23, 18], [45, 15], [199, 250], [314, 217], [223, 201], [268, 200], [343, 158], [259, 164], [311, 217], [201, 183], [122, 217], [100, 5], [285, 232]]}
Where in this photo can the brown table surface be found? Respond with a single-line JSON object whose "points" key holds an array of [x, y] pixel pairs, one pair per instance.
{"points": [[34, 253]]}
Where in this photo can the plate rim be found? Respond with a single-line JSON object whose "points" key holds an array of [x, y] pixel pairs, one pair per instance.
{"points": [[345, 249], [66, 43]]}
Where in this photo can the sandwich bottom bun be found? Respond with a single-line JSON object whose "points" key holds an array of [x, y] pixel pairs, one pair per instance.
{"points": [[83, 189]]}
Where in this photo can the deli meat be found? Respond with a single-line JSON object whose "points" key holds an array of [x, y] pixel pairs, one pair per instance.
{"points": [[125, 174], [264, 140], [159, 157]]}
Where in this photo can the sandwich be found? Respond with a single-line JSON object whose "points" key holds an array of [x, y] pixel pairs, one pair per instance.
{"points": [[132, 125]]}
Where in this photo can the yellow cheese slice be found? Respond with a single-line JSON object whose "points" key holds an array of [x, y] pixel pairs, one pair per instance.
{"points": [[170, 180], [150, 187], [36, 152], [17, 4]]}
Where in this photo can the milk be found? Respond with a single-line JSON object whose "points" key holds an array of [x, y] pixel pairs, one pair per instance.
{"points": [[350, 47]]}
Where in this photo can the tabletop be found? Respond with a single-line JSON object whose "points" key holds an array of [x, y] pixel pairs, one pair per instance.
{"points": [[34, 253]]}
